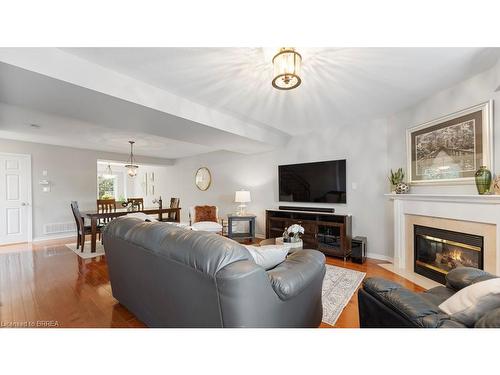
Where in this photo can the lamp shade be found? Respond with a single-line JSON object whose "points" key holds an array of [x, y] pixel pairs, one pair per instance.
{"points": [[242, 196]]}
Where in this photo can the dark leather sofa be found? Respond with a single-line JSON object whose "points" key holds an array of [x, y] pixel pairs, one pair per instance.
{"points": [[173, 277], [386, 304]]}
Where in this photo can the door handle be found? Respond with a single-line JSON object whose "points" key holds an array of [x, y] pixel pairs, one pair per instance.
{"points": [[25, 204]]}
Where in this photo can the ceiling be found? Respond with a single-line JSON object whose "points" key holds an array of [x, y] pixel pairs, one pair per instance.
{"points": [[73, 116], [339, 86]]}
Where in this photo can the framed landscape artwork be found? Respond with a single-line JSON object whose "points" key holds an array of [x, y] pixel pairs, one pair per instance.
{"points": [[449, 150]]}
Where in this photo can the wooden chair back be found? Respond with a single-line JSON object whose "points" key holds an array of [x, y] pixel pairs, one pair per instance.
{"points": [[174, 203], [137, 203], [105, 206], [78, 217]]}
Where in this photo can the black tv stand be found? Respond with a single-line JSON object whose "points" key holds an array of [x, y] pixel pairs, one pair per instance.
{"points": [[330, 233]]}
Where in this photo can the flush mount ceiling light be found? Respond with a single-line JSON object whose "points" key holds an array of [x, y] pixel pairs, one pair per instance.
{"points": [[286, 65], [131, 166]]}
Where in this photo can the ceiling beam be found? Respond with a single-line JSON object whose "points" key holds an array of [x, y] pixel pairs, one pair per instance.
{"points": [[63, 66]]}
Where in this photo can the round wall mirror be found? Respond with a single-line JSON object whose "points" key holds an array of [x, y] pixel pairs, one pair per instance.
{"points": [[203, 178]]}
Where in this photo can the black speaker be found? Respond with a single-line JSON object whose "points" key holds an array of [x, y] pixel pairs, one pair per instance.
{"points": [[358, 251]]}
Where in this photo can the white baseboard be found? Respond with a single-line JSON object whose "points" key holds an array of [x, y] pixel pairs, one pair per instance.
{"points": [[55, 237], [380, 257]]}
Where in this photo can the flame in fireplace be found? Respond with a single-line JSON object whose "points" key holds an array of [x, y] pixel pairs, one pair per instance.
{"points": [[456, 255]]}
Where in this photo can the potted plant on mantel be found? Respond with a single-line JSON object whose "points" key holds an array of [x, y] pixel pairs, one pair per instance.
{"points": [[397, 184]]}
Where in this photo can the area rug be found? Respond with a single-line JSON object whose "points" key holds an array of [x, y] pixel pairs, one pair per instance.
{"points": [[339, 286], [99, 250]]}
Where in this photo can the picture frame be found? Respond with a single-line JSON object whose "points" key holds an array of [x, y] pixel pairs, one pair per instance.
{"points": [[450, 149], [151, 183], [144, 184]]}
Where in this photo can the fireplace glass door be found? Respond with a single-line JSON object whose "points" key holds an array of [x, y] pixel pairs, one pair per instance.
{"points": [[438, 251]]}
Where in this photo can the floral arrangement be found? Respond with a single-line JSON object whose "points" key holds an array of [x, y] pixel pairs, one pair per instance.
{"points": [[292, 233]]}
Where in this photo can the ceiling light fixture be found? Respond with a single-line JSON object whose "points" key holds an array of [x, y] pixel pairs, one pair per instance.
{"points": [[286, 65], [131, 166]]}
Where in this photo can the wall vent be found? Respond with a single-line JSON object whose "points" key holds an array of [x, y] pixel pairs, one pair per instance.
{"points": [[54, 228]]}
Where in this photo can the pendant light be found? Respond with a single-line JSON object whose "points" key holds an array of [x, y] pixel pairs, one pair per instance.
{"points": [[109, 172], [286, 65], [131, 166]]}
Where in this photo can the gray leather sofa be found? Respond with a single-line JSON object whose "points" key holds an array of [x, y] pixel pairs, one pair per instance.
{"points": [[173, 277]]}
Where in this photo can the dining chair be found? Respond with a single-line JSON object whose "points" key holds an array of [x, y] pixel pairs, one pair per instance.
{"points": [[105, 206], [136, 202], [174, 203], [81, 229]]}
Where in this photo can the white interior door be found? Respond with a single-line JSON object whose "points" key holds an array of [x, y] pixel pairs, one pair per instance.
{"points": [[15, 198]]}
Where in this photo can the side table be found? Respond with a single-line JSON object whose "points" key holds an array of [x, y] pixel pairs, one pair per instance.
{"points": [[250, 235]]}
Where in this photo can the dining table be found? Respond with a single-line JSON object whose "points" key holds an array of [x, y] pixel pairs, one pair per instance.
{"points": [[95, 216]]}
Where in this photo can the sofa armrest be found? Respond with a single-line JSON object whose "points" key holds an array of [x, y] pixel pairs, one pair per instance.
{"points": [[292, 276], [412, 306], [462, 277]]}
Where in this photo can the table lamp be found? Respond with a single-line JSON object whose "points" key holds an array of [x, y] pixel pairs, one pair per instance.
{"points": [[242, 196]]}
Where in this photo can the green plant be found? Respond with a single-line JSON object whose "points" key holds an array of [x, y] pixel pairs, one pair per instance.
{"points": [[396, 177]]}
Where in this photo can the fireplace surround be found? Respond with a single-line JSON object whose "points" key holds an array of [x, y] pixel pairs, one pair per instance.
{"points": [[438, 251], [472, 214]]}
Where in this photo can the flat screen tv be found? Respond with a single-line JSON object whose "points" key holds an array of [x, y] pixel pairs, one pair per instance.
{"points": [[320, 182]]}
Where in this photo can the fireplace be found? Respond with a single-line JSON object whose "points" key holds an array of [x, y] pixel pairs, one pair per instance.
{"points": [[438, 251]]}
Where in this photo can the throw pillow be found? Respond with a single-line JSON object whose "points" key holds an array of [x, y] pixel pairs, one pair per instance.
{"points": [[472, 302], [268, 256], [205, 213]]}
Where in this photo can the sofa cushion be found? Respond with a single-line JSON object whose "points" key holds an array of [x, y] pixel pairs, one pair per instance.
{"points": [[205, 213], [464, 276], [471, 303], [205, 252], [438, 294], [208, 226], [268, 256]]}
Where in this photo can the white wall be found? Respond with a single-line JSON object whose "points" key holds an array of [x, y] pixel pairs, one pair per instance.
{"points": [[163, 184], [363, 145], [371, 149], [478, 89], [73, 174]]}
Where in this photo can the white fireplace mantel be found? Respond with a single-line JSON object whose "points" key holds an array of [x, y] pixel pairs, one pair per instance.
{"points": [[467, 208], [469, 198]]}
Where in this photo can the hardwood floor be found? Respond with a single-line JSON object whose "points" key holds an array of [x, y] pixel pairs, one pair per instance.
{"points": [[46, 285]]}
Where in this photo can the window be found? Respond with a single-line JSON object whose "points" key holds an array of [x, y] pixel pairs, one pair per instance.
{"points": [[107, 187]]}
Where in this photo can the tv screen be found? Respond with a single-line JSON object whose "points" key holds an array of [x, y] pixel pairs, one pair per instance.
{"points": [[321, 182]]}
